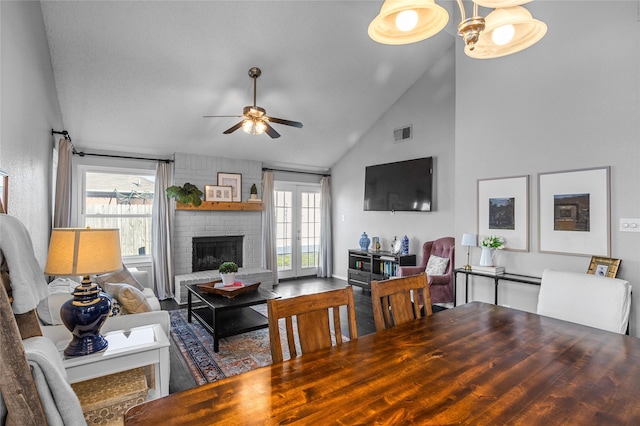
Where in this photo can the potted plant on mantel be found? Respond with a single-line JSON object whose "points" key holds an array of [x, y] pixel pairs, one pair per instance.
{"points": [[187, 194], [228, 273], [254, 191]]}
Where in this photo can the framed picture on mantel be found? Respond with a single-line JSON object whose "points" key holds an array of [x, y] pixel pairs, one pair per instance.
{"points": [[234, 180]]}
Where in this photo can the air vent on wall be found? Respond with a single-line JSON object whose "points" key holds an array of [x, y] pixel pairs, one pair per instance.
{"points": [[402, 134]]}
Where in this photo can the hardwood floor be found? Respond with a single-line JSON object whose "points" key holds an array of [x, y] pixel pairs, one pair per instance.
{"points": [[181, 378]]}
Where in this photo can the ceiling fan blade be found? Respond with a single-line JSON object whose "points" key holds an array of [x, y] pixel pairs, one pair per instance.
{"points": [[271, 131], [234, 128], [285, 122], [216, 116]]}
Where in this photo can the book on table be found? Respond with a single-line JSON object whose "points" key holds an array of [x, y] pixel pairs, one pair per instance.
{"points": [[488, 269]]}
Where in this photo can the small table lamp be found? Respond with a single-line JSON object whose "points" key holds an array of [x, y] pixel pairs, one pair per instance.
{"points": [[468, 240], [73, 252]]}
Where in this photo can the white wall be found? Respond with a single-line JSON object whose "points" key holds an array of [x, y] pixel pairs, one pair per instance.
{"points": [[429, 106], [570, 102], [29, 111]]}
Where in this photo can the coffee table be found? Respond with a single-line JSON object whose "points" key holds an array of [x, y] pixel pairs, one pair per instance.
{"points": [[224, 317]]}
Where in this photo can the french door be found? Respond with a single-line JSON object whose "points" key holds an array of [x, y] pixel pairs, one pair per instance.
{"points": [[297, 229]]}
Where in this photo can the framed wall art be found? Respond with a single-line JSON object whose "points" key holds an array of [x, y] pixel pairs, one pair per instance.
{"points": [[234, 180], [604, 266], [503, 210], [217, 193], [574, 212]]}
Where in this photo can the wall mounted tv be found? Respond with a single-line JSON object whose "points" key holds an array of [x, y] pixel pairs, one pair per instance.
{"points": [[401, 186]]}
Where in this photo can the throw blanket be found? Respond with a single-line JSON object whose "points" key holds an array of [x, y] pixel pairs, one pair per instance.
{"points": [[60, 403], [27, 280]]}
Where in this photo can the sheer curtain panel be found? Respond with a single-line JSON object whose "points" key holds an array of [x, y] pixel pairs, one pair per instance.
{"points": [[269, 255], [162, 233], [325, 265], [62, 209]]}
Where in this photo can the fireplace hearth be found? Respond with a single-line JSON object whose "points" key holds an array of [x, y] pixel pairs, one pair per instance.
{"points": [[210, 252]]}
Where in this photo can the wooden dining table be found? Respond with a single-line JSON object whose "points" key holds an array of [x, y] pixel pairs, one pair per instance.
{"points": [[477, 364]]}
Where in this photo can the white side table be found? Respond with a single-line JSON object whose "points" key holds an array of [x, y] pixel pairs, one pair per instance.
{"points": [[128, 349]]}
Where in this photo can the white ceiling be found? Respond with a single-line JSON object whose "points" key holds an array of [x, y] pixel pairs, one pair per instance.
{"points": [[137, 76]]}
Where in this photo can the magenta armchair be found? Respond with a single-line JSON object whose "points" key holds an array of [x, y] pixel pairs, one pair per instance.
{"points": [[440, 286]]}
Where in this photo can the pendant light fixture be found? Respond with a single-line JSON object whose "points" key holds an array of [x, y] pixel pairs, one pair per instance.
{"points": [[508, 29]]}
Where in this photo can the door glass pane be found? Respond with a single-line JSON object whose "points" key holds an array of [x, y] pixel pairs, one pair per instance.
{"points": [[284, 215], [310, 229]]}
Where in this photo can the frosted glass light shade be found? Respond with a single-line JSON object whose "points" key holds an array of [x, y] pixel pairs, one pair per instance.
{"points": [[528, 31], [432, 18], [80, 251], [494, 4]]}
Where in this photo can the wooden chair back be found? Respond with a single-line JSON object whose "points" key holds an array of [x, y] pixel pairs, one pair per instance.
{"points": [[18, 389], [393, 300], [312, 320]]}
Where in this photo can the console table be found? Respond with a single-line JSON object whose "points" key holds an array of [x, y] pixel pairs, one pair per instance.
{"points": [[526, 279]]}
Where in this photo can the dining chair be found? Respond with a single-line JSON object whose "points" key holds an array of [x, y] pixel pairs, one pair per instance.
{"points": [[312, 321], [585, 299], [394, 300]]}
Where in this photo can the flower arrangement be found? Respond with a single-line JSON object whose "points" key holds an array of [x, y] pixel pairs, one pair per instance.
{"points": [[493, 242]]}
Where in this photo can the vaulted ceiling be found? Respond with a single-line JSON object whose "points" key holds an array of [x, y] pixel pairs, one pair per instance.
{"points": [[138, 76]]}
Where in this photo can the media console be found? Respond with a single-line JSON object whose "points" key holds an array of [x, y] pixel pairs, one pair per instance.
{"points": [[366, 266]]}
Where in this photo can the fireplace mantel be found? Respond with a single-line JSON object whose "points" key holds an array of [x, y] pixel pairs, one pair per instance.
{"points": [[220, 206]]}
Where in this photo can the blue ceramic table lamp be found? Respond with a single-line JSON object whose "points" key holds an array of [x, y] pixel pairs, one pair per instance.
{"points": [[74, 252]]}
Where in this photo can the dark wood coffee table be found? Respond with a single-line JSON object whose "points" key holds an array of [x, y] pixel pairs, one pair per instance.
{"points": [[224, 317]]}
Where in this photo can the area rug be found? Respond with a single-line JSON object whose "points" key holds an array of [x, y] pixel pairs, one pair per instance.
{"points": [[236, 354]]}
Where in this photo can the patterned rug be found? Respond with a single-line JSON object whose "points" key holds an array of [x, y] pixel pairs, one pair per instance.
{"points": [[236, 354]]}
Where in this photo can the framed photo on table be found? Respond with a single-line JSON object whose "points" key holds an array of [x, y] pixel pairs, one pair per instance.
{"points": [[574, 212], [503, 210], [234, 180], [604, 266], [217, 193]]}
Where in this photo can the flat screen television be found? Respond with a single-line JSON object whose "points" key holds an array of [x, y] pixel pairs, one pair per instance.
{"points": [[401, 186]]}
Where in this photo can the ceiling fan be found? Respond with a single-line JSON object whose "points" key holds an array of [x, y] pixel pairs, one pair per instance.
{"points": [[255, 119]]}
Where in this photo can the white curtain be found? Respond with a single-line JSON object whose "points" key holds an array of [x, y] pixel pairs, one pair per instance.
{"points": [[269, 254], [62, 208], [162, 233], [325, 265]]}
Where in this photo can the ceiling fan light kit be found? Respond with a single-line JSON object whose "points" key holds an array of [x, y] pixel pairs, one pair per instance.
{"points": [[508, 29], [255, 119]]}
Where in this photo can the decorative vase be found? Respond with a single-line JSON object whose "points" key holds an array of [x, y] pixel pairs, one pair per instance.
{"points": [[405, 245], [375, 243], [486, 258], [364, 241], [227, 279], [84, 315]]}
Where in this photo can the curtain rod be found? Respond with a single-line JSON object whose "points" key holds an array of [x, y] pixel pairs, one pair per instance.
{"points": [[267, 169], [82, 154]]}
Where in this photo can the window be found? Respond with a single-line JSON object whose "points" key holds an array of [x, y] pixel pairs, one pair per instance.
{"points": [[120, 199]]}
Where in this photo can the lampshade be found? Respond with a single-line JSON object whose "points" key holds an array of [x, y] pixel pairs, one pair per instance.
{"points": [[80, 251], [384, 29], [527, 32], [469, 240]]}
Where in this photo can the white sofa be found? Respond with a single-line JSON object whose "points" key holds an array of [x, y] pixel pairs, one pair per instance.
{"points": [[58, 333]]}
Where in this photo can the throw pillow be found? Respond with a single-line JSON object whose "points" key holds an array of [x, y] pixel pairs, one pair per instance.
{"points": [[121, 276], [437, 265], [132, 300]]}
